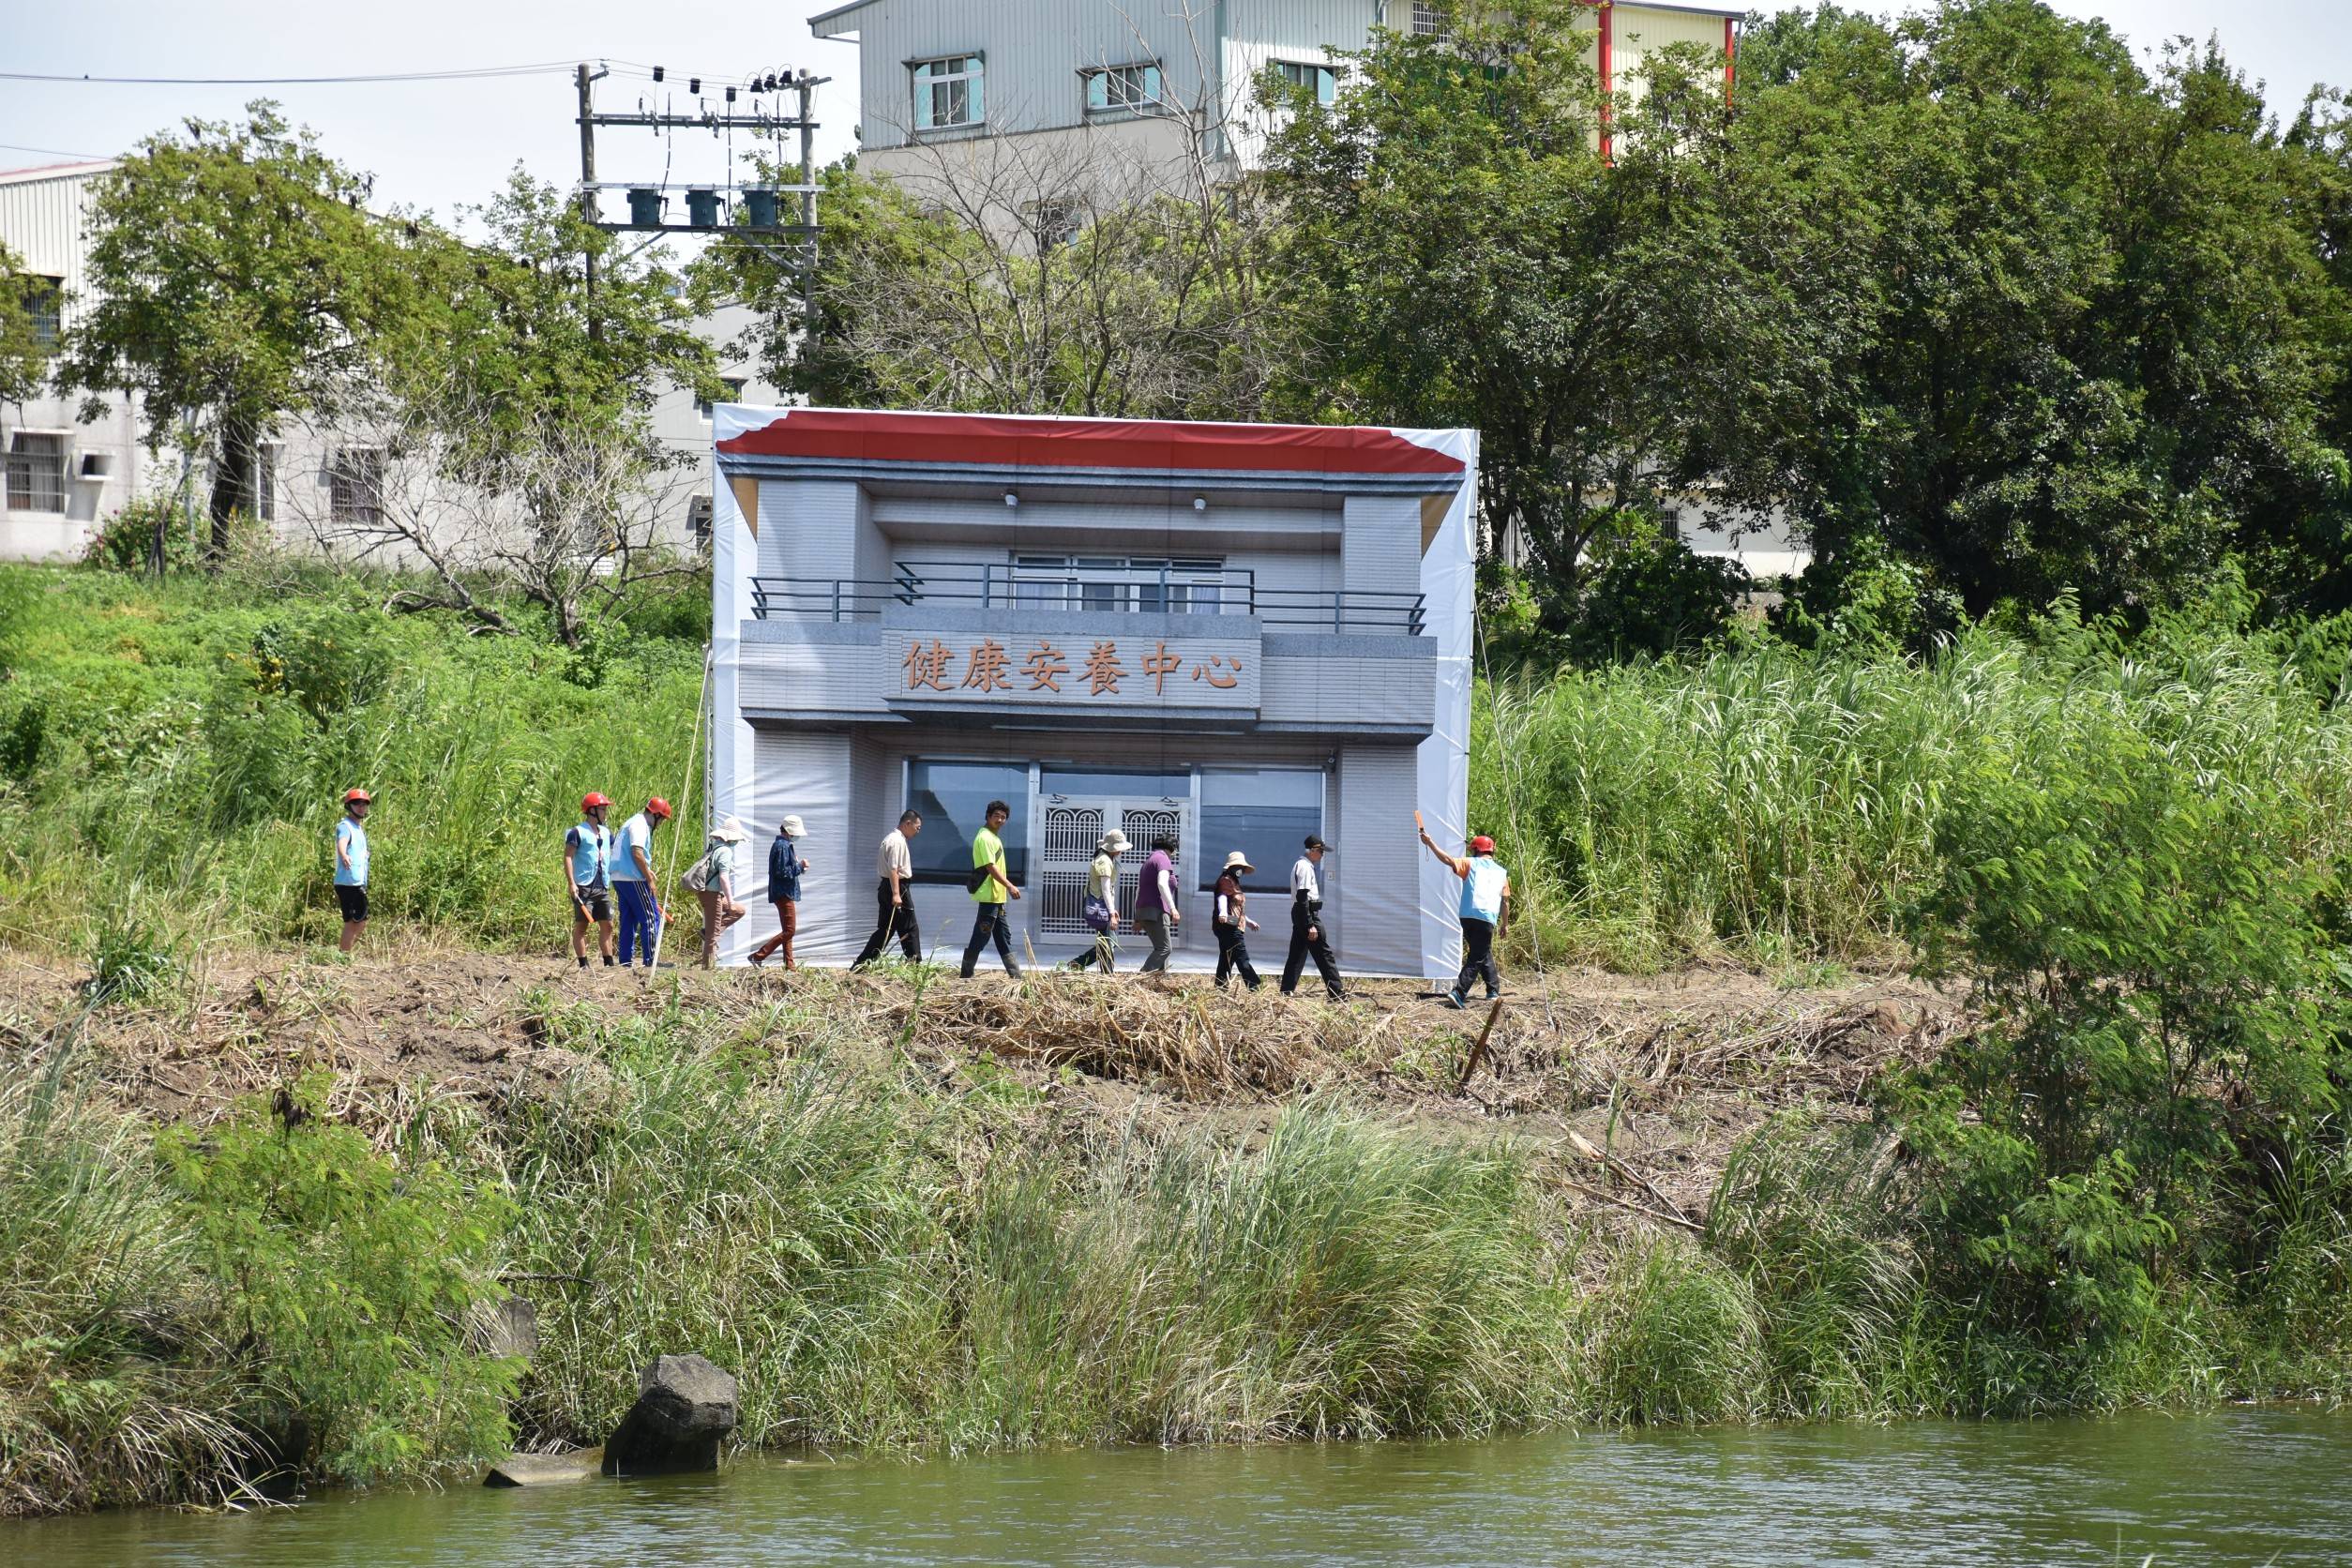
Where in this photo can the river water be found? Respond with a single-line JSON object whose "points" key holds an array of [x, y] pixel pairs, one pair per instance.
{"points": [[2235, 1487]]}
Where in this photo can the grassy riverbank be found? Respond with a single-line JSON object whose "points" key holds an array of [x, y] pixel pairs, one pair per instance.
{"points": [[2111, 1168], [893, 1242]]}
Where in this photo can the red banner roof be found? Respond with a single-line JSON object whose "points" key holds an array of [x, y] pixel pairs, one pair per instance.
{"points": [[1005, 441]]}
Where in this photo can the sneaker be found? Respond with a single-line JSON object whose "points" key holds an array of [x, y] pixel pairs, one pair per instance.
{"points": [[1456, 1000], [583, 963], [607, 961]]}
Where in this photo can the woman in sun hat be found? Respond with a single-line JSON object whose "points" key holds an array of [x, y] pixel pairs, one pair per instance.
{"points": [[712, 878], [1101, 905], [785, 869], [1230, 921]]}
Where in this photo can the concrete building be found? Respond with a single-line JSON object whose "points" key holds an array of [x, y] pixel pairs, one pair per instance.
{"points": [[1137, 82], [1234, 634], [64, 477]]}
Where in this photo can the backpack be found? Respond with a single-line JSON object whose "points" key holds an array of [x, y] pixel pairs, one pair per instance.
{"points": [[698, 876]]}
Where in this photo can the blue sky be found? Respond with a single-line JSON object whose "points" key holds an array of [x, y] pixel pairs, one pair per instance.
{"points": [[435, 144]]}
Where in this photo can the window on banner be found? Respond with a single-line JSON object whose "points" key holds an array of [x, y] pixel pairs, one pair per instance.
{"points": [[1266, 813], [953, 799]]}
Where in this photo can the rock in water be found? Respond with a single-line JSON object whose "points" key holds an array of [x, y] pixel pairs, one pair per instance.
{"points": [[544, 1470], [685, 1408]]}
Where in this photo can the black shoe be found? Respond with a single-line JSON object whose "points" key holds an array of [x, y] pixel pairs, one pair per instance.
{"points": [[583, 963], [608, 962]]}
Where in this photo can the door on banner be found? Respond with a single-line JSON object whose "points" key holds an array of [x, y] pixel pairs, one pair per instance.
{"points": [[1069, 830]]}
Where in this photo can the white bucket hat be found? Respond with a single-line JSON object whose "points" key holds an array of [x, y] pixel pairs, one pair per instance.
{"points": [[1114, 842], [1236, 860], [794, 828], [729, 830]]}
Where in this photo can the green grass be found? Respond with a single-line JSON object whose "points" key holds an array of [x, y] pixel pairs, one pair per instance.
{"points": [[1778, 808]]}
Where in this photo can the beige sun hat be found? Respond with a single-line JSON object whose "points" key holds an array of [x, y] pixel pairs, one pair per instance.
{"points": [[1114, 842], [1236, 860], [794, 828], [729, 831]]}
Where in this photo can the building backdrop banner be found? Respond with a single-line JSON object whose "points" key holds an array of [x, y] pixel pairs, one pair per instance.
{"points": [[806, 704]]}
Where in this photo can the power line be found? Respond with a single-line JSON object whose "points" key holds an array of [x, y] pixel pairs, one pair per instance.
{"points": [[49, 152], [470, 74]]}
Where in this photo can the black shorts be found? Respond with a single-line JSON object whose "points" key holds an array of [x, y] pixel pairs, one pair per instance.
{"points": [[354, 900], [597, 901]]}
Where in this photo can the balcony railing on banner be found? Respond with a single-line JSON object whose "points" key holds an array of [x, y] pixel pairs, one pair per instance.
{"points": [[1001, 585]]}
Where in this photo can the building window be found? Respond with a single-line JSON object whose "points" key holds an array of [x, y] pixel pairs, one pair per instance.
{"points": [[44, 300], [1266, 813], [1120, 584], [952, 798], [37, 473], [698, 518], [1124, 90], [1323, 81], [735, 386], [948, 93], [1429, 19], [264, 481], [355, 485]]}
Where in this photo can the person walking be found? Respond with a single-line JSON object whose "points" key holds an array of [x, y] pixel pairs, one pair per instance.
{"points": [[713, 880], [350, 865], [1101, 908], [1308, 937], [893, 894], [785, 869], [633, 889], [588, 875], [1157, 905], [1229, 922], [1485, 910], [991, 888]]}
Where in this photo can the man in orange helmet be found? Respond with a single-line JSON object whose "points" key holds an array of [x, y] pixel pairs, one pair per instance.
{"points": [[632, 874], [350, 865], [588, 873]]}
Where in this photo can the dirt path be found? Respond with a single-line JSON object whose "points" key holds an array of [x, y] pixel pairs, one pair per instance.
{"points": [[1667, 1073]]}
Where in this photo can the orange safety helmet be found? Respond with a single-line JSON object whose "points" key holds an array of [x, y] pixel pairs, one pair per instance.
{"points": [[658, 807], [590, 801], [351, 795]]}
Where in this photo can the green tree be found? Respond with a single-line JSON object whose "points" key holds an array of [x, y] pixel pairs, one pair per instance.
{"points": [[527, 399], [2143, 917], [2088, 341], [1460, 253], [23, 357], [237, 277]]}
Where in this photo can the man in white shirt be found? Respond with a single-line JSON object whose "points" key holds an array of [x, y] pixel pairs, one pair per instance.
{"points": [[893, 894], [1307, 937]]}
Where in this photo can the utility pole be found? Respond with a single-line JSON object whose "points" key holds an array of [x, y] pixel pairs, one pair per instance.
{"points": [[588, 188]]}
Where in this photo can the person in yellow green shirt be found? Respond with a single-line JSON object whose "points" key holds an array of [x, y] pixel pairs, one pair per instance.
{"points": [[991, 888]]}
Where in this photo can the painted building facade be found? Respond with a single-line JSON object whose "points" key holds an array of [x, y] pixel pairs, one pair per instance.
{"points": [[1235, 635]]}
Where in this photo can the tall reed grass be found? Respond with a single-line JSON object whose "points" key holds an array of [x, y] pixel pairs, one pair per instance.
{"points": [[1770, 806], [189, 747]]}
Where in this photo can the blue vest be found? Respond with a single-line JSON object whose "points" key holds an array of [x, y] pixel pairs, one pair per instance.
{"points": [[591, 847], [1482, 889]]}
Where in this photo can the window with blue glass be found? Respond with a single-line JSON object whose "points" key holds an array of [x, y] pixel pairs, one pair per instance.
{"points": [[1322, 81], [952, 799], [949, 92], [1124, 89], [1266, 813]]}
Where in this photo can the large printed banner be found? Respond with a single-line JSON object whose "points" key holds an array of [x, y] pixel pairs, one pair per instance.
{"points": [[976, 670]]}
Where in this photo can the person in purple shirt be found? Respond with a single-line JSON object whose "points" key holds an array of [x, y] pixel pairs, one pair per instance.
{"points": [[1157, 905]]}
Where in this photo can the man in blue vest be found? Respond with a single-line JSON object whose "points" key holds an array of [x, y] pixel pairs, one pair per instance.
{"points": [[588, 872], [1485, 910]]}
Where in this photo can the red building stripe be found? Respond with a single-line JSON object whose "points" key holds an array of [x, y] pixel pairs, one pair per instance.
{"points": [[1731, 54], [999, 441], [1608, 79]]}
